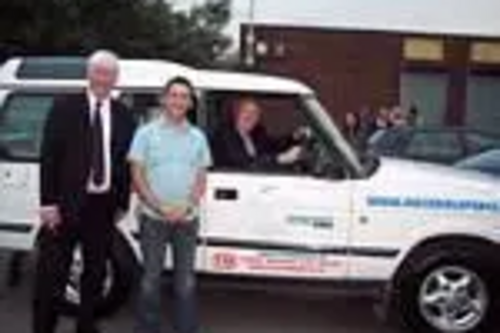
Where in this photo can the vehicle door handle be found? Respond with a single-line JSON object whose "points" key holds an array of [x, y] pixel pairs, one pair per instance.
{"points": [[268, 189], [226, 194]]}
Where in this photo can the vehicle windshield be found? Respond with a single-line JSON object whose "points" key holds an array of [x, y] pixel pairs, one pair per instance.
{"points": [[333, 133]]}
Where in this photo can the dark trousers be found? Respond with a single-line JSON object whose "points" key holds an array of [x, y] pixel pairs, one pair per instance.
{"points": [[155, 235], [92, 231]]}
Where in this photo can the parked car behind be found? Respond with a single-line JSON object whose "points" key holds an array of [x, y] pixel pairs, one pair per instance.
{"points": [[437, 145], [486, 162]]}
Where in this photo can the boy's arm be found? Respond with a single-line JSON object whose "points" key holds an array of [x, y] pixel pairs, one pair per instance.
{"points": [[199, 187], [143, 189]]}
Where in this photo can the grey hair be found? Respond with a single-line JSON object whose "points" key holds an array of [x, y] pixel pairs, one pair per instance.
{"points": [[103, 58]]}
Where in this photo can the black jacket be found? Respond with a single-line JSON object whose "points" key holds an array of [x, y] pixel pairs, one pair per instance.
{"points": [[229, 149], [65, 154]]}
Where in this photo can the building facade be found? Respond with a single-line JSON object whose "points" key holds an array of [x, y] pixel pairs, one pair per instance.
{"points": [[451, 80]]}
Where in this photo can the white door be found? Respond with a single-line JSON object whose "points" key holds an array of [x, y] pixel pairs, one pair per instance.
{"points": [[22, 115], [277, 225], [267, 219]]}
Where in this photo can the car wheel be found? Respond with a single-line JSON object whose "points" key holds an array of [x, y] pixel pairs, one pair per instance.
{"points": [[448, 293], [120, 272]]}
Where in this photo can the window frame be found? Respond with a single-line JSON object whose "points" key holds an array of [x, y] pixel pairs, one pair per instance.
{"points": [[4, 110], [307, 116]]}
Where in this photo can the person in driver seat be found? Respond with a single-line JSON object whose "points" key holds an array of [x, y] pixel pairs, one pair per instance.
{"points": [[245, 143]]}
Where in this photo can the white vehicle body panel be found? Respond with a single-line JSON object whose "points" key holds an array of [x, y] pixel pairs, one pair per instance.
{"points": [[299, 224], [18, 204], [406, 203], [153, 74]]}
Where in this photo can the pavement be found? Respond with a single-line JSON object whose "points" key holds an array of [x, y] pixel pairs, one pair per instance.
{"points": [[223, 310]]}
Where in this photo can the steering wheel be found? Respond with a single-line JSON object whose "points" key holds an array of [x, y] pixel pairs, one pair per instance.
{"points": [[311, 153]]}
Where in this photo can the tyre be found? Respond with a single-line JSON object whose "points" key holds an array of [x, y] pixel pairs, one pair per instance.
{"points": [[447, 291], [121, 269]]}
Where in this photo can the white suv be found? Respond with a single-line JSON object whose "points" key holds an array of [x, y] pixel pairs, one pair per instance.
{"points": [[425, 236]]}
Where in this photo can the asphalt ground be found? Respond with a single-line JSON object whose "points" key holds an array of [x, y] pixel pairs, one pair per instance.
{"points": [[222, 310]]}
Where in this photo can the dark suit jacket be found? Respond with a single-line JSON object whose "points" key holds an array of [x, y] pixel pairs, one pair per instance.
{"points": [[229, 149], [65, 155]]}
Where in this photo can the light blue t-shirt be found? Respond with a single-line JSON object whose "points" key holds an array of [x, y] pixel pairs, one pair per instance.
{"points": [[172, 155]]}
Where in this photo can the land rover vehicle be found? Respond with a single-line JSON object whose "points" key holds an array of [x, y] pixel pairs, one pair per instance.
{"points": [[425, 236]]}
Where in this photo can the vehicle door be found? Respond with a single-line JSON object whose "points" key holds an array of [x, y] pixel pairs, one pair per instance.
{"points": [[22, 116], [285, 221]]}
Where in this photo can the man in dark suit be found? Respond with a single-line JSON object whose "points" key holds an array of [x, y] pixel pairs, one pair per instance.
{"points": [[245, 144], [85, 189]]}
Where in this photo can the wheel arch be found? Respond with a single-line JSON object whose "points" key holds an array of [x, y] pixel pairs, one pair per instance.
{"points": [[123, 246], [463, 245], [122, 254], [469, 244]]}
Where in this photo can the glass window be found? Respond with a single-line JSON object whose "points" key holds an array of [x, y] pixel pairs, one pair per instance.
{"points": [[283, 124], [23, 115], [54, 68], [21, 125], [428, 93], [144, 106], [441, 147], [483, 103]]}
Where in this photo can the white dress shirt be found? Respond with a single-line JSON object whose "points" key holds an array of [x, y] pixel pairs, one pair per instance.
{"points": [[106, 127], [249, 145]]}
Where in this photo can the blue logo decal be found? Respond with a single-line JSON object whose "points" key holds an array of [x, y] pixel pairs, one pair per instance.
{"points": [[463, 205]]}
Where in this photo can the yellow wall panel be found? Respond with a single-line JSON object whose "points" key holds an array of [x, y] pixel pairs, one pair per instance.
{"points": [[424, 49], [485, 52]]}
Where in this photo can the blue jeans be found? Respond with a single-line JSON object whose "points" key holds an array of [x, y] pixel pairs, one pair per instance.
{"points": [[155, 235]]}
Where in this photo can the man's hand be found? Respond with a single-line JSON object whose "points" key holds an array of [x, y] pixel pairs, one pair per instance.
{"points": [[290, 156], [302, 133], [50, 216]]}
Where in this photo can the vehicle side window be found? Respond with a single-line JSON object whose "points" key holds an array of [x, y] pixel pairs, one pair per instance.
{"points": [[283, 126], [144, 106], [435, 147], [22, 118], [23, 115]]}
